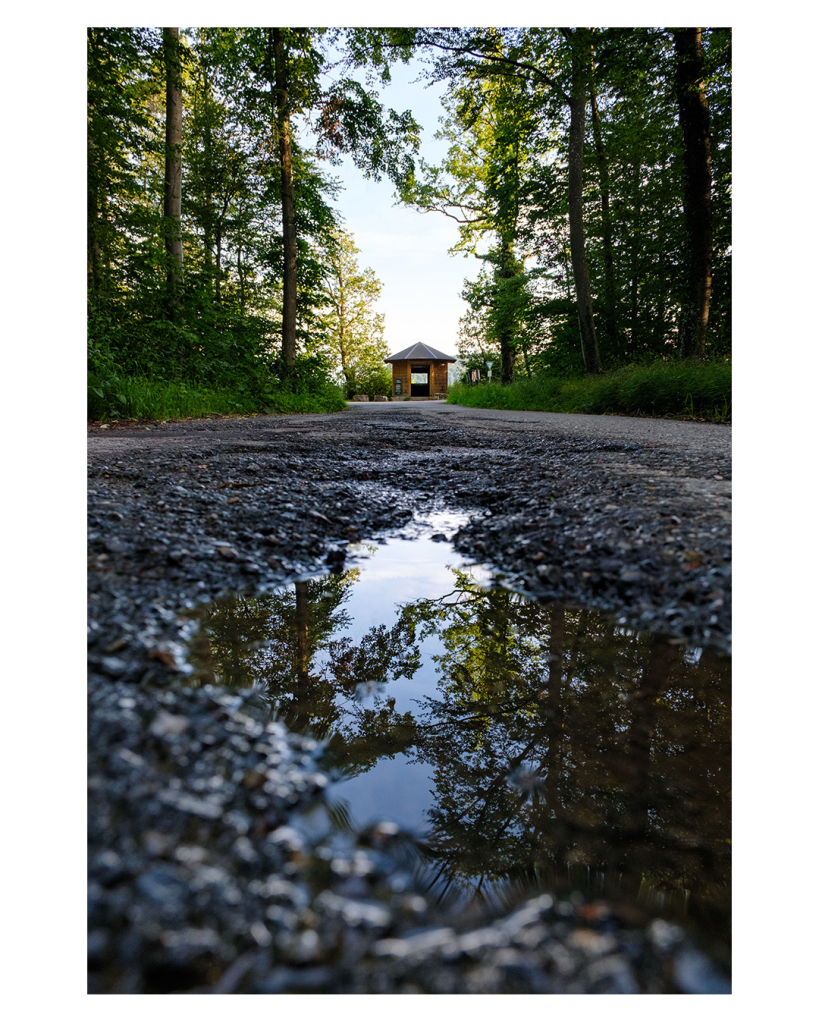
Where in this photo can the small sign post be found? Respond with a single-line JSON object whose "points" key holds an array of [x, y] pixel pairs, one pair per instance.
{"points": [[489, 363]]}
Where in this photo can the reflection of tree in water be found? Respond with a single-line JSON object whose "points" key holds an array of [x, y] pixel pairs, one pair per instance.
{"points": [[568, 752], [280, 645]]}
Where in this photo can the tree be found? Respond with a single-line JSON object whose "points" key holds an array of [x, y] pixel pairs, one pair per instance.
{"points": [[121, 132], [559, 742], [480, 186], [580, 66], [281, 114], [354, 329], [173, 165], [349, 119], [625, 214], [610, 294], [517, 66], [696, 129], [290, 647]]}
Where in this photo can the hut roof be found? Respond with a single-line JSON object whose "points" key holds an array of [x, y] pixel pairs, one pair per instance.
{"points": [[421, 351]]}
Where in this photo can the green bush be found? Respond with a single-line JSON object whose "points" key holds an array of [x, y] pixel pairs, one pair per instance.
{"points": [[370, 381], [159, 370], [682, 390]]}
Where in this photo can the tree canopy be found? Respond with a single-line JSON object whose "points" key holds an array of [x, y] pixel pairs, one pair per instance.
{"points": [[598, 201], [589, 171]]}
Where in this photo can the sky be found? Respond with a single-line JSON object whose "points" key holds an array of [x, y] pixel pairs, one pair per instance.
{"points": [[407, 249]]}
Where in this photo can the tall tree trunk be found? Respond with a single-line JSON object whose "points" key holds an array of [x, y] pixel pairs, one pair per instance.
{"points": [[577, 236], [302, 633], [557, 640], [173, 166], [342, 327], [94, 248], [298, 717], [99, 226], [507, 270], [218, 276], [696, 129], [637, 799], [240, 270], [610, 323], [207, 144], [282, 121], [636, 266]]}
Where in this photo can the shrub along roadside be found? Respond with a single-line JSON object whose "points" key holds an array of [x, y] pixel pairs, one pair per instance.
{"points": [[154, 369], [269, 388], [679, 390], [141, 399]]}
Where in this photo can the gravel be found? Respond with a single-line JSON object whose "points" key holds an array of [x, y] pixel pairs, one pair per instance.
{"points": [[201, 879]]}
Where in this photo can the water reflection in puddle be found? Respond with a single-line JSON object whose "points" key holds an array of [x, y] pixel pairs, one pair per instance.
{"points": [[528, 746]]}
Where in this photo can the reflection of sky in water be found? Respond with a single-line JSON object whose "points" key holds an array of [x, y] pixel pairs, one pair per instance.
{"points": [[556, 743], [402, 570], [396, 790], [396, 572]]}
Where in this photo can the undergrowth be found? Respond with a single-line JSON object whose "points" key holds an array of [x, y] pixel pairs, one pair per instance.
{"points": [[141, 399], [680, 390]]}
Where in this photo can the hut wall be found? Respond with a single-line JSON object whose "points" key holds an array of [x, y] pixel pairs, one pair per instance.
{"points": [[438, 376]]}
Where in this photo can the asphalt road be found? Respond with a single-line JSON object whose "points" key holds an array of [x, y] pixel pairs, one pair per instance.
{"points": [[707, 437]]}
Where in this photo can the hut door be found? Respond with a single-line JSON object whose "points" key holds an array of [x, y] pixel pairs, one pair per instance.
{"points": [[419, 381]]}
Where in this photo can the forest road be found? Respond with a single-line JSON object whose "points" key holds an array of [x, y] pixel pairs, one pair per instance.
{"points": [[631, 517], [628, 515], [642, 430]]}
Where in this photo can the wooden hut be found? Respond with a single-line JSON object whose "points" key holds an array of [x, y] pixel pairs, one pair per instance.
{"points": [[420, 372]]}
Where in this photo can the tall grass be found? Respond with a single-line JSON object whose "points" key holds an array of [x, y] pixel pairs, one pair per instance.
{"points": [[142, 399], [680, 390]]}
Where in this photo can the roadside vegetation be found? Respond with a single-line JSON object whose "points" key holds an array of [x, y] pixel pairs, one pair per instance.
{"points": [[679, 390], [220, 279], [139, 398], [159, 370], [588, 170]]}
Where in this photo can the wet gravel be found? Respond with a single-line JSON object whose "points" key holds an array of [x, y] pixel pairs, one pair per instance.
{"points": [[201, 879]]}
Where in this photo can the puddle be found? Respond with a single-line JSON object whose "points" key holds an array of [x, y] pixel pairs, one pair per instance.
{"points": [[527, 746]]}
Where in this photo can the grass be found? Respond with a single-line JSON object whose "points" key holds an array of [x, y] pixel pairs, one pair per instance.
{"points": [[138, 398], [679, 390]]}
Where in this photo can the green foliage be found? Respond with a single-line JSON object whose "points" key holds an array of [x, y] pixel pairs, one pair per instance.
{"points": [[505, 181], [212, 349], [116, 397], [350, 331], [141, 398], [532, 737], [680, 390], [304, 384], [157, 369], [370, 381]]}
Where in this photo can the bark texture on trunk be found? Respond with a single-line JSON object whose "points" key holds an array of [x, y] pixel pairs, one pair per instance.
{"points": [[173, 164], [507, 271], [94, 248], [282, 122], [609, 286], [207, 224], [635, 822], [577, 235], [634, 285], [696, 129]]}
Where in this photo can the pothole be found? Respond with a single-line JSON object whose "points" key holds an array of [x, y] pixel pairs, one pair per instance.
{"points": [[528, 747]]}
